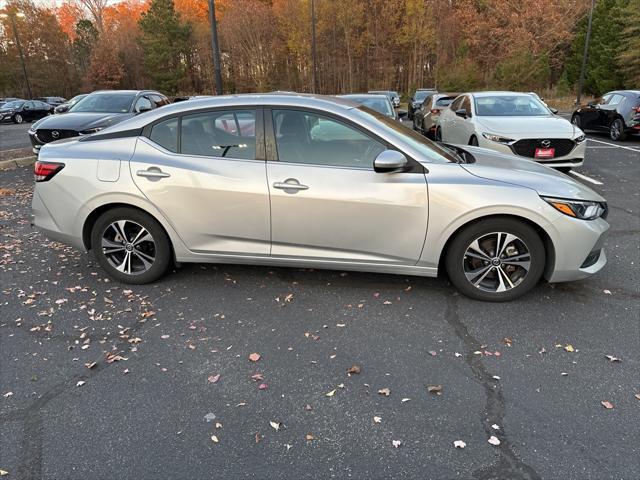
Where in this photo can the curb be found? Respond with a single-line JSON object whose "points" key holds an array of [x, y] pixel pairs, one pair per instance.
{"points": [[17, 162]]}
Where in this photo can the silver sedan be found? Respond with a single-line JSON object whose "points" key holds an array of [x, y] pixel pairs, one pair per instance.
{"points": [[310, 181]]}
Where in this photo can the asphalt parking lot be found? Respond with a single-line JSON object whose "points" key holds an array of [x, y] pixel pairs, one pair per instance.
{"points": [[101, 380], [14, 136]]}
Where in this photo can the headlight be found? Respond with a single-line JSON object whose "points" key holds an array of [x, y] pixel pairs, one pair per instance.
{"points": [[89, 131], [578, 208], [497, 138], [580, 139]]}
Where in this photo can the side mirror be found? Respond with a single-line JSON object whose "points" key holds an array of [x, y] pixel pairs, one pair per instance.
{"points": [[462, 112], [554, 110], [143, 108], [402, 114], [390, 161]]}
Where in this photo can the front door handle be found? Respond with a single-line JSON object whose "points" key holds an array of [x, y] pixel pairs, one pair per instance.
{"points": [[290, 185], [152, 172]]}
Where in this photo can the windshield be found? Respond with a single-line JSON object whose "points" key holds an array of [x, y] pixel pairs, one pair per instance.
{"points": [[13, 105], [510, 106], [378, 104], [431, 151], [421, 95], [104, 103], [76, 99]]}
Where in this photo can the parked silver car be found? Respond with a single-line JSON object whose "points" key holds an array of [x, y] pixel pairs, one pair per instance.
{"points": [[306, 181]]}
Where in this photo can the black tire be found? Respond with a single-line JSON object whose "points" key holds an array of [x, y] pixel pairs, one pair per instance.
{"points": [[17, 118], [473, 141], [577, 121], [616, 130], [438, 135], [456, 258], [162, 251]]}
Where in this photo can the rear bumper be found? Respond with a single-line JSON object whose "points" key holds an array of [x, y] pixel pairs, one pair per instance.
{"points": [[43, 220]]}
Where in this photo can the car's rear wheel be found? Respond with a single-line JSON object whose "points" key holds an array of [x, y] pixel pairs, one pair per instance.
{"points": [[616, 130], [17, 118], [131, 245], [496, 260]]}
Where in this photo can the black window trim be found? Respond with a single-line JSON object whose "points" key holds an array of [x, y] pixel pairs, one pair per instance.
{"points": [[272, 151], [259, 129]]}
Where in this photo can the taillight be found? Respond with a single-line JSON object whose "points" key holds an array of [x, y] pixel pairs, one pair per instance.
{"points": [[435, 111], [44, 171]]}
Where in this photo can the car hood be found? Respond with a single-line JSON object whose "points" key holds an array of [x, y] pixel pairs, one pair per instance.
{"points": [[81, 121], [528, 127], [527, 173]]}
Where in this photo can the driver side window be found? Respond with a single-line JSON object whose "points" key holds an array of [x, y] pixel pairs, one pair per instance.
{"points": [[456, 104], [305, 137]]}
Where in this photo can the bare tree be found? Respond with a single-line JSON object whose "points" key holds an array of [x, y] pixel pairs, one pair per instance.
{"points": [[96, 8]]}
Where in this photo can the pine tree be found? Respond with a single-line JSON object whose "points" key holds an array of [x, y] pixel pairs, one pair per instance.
{"points": [[629, 56], [165, 42]]}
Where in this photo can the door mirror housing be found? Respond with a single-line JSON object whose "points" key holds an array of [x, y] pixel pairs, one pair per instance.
{"points": [[143, 108], [554, 110], [390, 161], [462, 112]]}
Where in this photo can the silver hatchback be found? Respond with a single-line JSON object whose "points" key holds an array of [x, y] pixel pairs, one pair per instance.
{"points": [[311, 181]]}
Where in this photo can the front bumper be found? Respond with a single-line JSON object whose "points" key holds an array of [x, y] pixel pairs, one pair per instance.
{"points": [[36, 144], [579, 251], [575, 158]]}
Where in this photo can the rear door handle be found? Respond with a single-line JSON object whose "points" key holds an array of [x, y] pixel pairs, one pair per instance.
{"points": [[152, 172]]}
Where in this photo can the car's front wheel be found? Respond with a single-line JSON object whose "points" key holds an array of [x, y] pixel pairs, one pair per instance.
{"points": [[17, 118], [496, 260], [131, 245], [576, 120], [616, 130]]}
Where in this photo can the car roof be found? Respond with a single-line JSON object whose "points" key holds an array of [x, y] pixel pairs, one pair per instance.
{"points": [[363, 95], [123, 92], [497, 93]]}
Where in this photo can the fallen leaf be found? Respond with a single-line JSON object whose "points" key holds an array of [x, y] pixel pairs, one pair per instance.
{"points": [[213, 378], [355, 369], [114, 358], [330, 394], [377, 419], [607, 292], [210, 417], [435, 389], [493, 440], [275, 425], [507, 341], [258, 437], [218, 425], [164, 337], [8, 394], [3, 473], [214, 439], [254, 357], [308, 407], [405, 400], [396, 443], [308, 437], [569, 348], [433, 353], [637, 395], [262, 386], [495, 427], [384, 391], [90, 365], [607, 405], [257, 377], [80, 383], [612, 358], [459, 444]]}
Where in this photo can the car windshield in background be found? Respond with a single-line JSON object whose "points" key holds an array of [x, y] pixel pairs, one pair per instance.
{"points": [[104, 103], [378, 104], [13, 105], [444, 101], [421, 95], [431, 150], [510, 106]]}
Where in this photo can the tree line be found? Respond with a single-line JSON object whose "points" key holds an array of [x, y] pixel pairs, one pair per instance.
{"points": [[455, 45]]}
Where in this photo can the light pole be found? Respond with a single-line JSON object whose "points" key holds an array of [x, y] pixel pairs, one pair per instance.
{"points": [[585, 54], [12, 18], [215, 47], [313, 47]]}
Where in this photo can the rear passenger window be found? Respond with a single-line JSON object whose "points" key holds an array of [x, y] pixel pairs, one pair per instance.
{"points": [[165, 134], [229, 134]]}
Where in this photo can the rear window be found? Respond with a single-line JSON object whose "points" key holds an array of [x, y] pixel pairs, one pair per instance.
{"points": [[165, 134], [444, 101]]}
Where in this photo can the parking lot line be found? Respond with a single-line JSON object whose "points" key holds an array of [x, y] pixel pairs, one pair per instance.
{"points": [[585, 178], [614, 145]]}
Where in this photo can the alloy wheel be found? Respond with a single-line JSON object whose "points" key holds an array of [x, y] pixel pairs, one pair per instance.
{"points": [[615, 130], [18, 118], [496, 262], [128, 247]]}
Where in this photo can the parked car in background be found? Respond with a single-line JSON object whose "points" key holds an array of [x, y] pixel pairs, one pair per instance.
{"points": [[378, 102], [513, 123], [19, 111], [426, 117], [96, 111], [617, 113], [393, 96], [418, 97], [64, 107], [53, 101], [176, 184]]}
